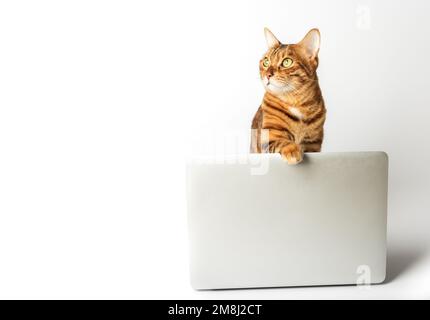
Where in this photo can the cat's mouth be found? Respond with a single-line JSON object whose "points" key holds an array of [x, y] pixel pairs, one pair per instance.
{"points": [[276, 86], [267, 82]]}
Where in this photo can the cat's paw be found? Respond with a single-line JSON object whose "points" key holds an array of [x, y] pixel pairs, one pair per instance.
{"points": [[292, 153]]}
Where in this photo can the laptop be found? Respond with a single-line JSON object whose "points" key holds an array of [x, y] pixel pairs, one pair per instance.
{"points": [[256, 222]]}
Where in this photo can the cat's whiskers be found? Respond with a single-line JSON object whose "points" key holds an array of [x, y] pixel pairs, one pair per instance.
{"points": [[278, 87]]}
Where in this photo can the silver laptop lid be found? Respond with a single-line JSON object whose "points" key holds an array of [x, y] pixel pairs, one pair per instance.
{"points": [[254, 221]]}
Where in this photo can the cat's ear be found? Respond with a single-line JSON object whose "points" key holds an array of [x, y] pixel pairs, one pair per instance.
{"points": [[311, 43], [271, 40]]}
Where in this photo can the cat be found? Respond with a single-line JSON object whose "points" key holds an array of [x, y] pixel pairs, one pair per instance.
{"points": [[291, 117]]}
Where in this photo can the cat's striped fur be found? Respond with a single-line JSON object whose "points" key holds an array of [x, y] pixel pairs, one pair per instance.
{"points": [[291, 117]]}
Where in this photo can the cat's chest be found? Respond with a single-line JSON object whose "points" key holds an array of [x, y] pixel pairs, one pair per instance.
{"points": [[292, 117], [296, 112], [291, 112]]}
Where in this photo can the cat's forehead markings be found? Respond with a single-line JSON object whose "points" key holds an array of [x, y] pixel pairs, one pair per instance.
{"points": [[278, 51]]}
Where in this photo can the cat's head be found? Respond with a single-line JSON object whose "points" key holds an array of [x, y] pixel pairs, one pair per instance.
{"points": [[285, 68]]}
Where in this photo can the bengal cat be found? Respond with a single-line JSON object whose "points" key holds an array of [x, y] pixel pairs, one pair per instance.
{"points": [[291, 117]]}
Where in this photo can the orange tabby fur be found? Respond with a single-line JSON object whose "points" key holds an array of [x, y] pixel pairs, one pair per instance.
{"points": [[292, 113]]}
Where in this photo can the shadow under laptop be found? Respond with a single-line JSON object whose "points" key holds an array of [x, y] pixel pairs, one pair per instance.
{"points": [[400, 260]]}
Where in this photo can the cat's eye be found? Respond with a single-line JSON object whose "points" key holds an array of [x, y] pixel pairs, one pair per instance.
{"points": [[287, 62], [266, 62]]}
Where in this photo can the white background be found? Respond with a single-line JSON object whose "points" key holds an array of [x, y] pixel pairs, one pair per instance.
{"points": [[99, 101]]}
